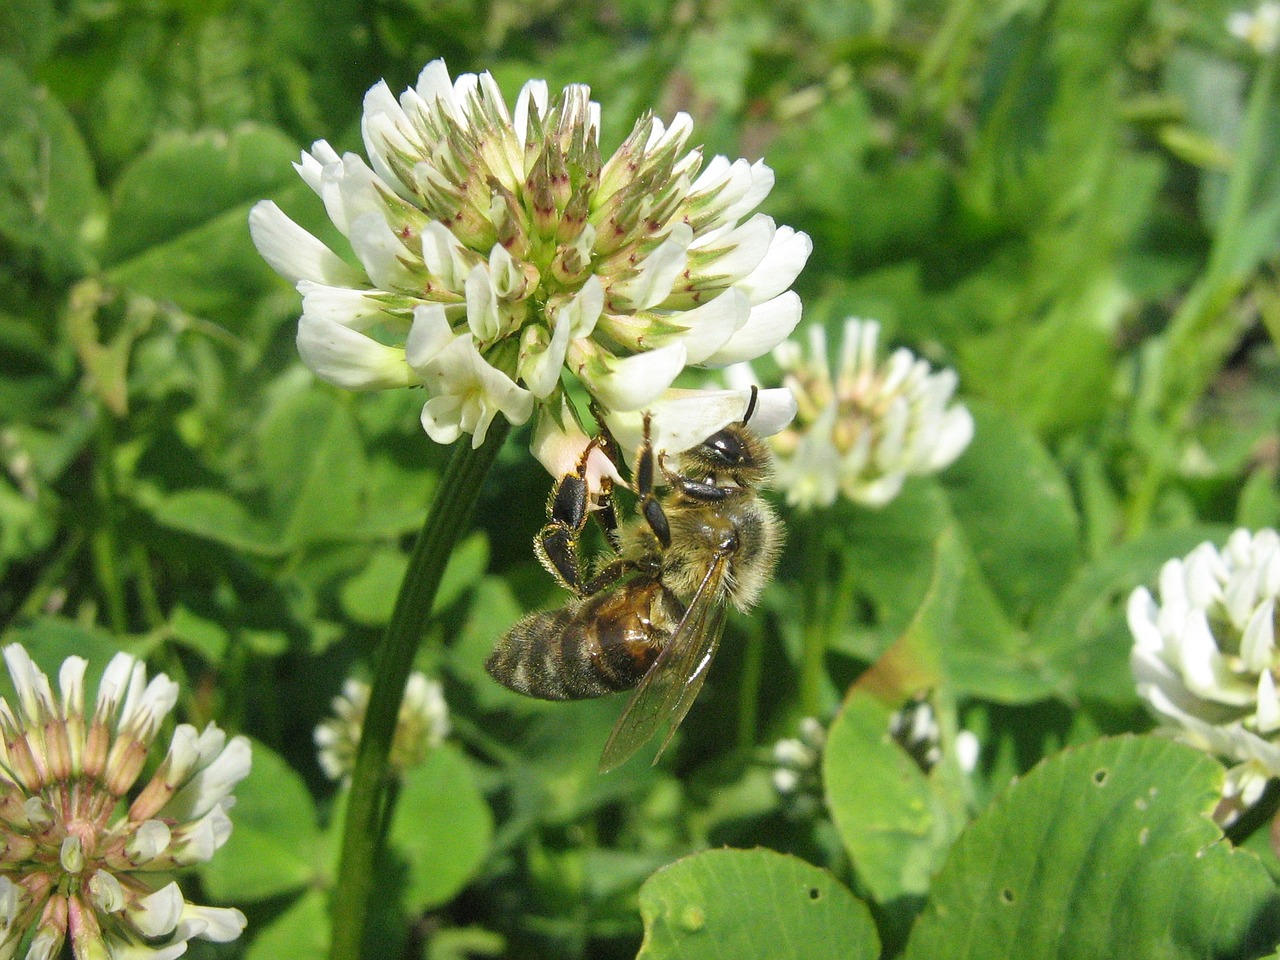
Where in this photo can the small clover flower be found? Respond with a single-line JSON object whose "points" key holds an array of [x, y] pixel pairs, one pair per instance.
{"points": [[797, 774], [422, 725], [1260, 29], [497, 249], [79, 861], [1204, 657], [864, 428], [915, 728]]}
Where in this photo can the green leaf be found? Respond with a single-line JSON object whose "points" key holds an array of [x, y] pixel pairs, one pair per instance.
{"points": [[368, 597], [313, 460], [187, 180], [891, 552], [207, 637], [1084, 637], [210, 268], [442, 827], [48, 189], [1102, 851], [1054, 373], [1017, 512], [50, 640], [752, 905], [274, 839], [27, 524], [300, 931], [216, 516], [896, 822], [27, 30], [30, 374]]}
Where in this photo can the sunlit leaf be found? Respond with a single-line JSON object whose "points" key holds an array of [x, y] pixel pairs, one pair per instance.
{"points": [[442, 828], [896, 822], [1103, 850], [49, 197], [274, 838], [302, 930], [752, 905]]}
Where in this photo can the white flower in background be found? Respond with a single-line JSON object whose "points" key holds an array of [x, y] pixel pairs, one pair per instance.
{"points": [[79, 863], [497, 249], [422, 725], [797, 773], [1260, 29], [864, 428], [915, 728], [1204, 656]]}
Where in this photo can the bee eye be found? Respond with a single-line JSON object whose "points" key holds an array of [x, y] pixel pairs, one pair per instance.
{"points": [[724, 446]]}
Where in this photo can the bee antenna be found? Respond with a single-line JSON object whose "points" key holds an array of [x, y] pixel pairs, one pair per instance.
{"points": [[751, 404]]}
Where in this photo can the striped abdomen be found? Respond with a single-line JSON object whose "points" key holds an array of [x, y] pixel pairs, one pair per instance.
{"points": [[588, 648]]}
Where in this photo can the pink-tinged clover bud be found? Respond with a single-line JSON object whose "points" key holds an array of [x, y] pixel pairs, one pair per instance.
{"points": [[74, 869], [471, 225]]}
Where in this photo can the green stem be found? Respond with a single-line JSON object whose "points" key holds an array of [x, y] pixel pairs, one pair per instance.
{"points": [[366, 808], [103, 541], [942, 64], [1254, 139], [816, 617], [1201, 334], [749, 689]]}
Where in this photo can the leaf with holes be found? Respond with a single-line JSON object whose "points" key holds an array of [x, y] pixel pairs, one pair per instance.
{"points": [[895, 820], [752, 905], [1106, 850]]}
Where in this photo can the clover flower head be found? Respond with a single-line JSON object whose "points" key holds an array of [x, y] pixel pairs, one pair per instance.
{"points": [[863, 428], [496, 249], [422, 725], [915, 728], [1259, 29], [797, 768], [83, 855], [1204, 656]]}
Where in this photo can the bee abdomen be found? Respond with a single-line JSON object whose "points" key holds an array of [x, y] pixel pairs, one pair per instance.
{"points": [[555, 656]]}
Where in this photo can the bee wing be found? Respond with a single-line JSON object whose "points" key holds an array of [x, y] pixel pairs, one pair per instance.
{"points": [[673, 682]]}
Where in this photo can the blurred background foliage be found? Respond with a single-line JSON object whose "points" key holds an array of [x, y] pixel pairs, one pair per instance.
{"points": [[1069, 201]]}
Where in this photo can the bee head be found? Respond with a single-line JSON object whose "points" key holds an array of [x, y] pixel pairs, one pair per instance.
{"points": [[732, 454]]}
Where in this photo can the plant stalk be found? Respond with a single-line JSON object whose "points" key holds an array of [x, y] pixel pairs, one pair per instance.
{"points": [[368, 809]]}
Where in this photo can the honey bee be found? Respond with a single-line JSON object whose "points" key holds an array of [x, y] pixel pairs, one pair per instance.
{"points": [[651, 615]]}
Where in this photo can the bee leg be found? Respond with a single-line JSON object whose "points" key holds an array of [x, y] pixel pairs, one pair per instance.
{"points": [[615, 570], [556, 544], [704, 490], [650, 507], [606, 513]]}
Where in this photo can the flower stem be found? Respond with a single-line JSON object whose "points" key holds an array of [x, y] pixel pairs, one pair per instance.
{"points": [[1202, 332], [749, 689], [817, 619], [366, 808], [103, 541]]}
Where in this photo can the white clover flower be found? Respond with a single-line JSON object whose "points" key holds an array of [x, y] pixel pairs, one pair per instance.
{"points": [[797, 777], [421, 726], [864, 428], [915, 728], [497, 249], [78, 863], [968, 749], [1204, 655], [1260, 29]]}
